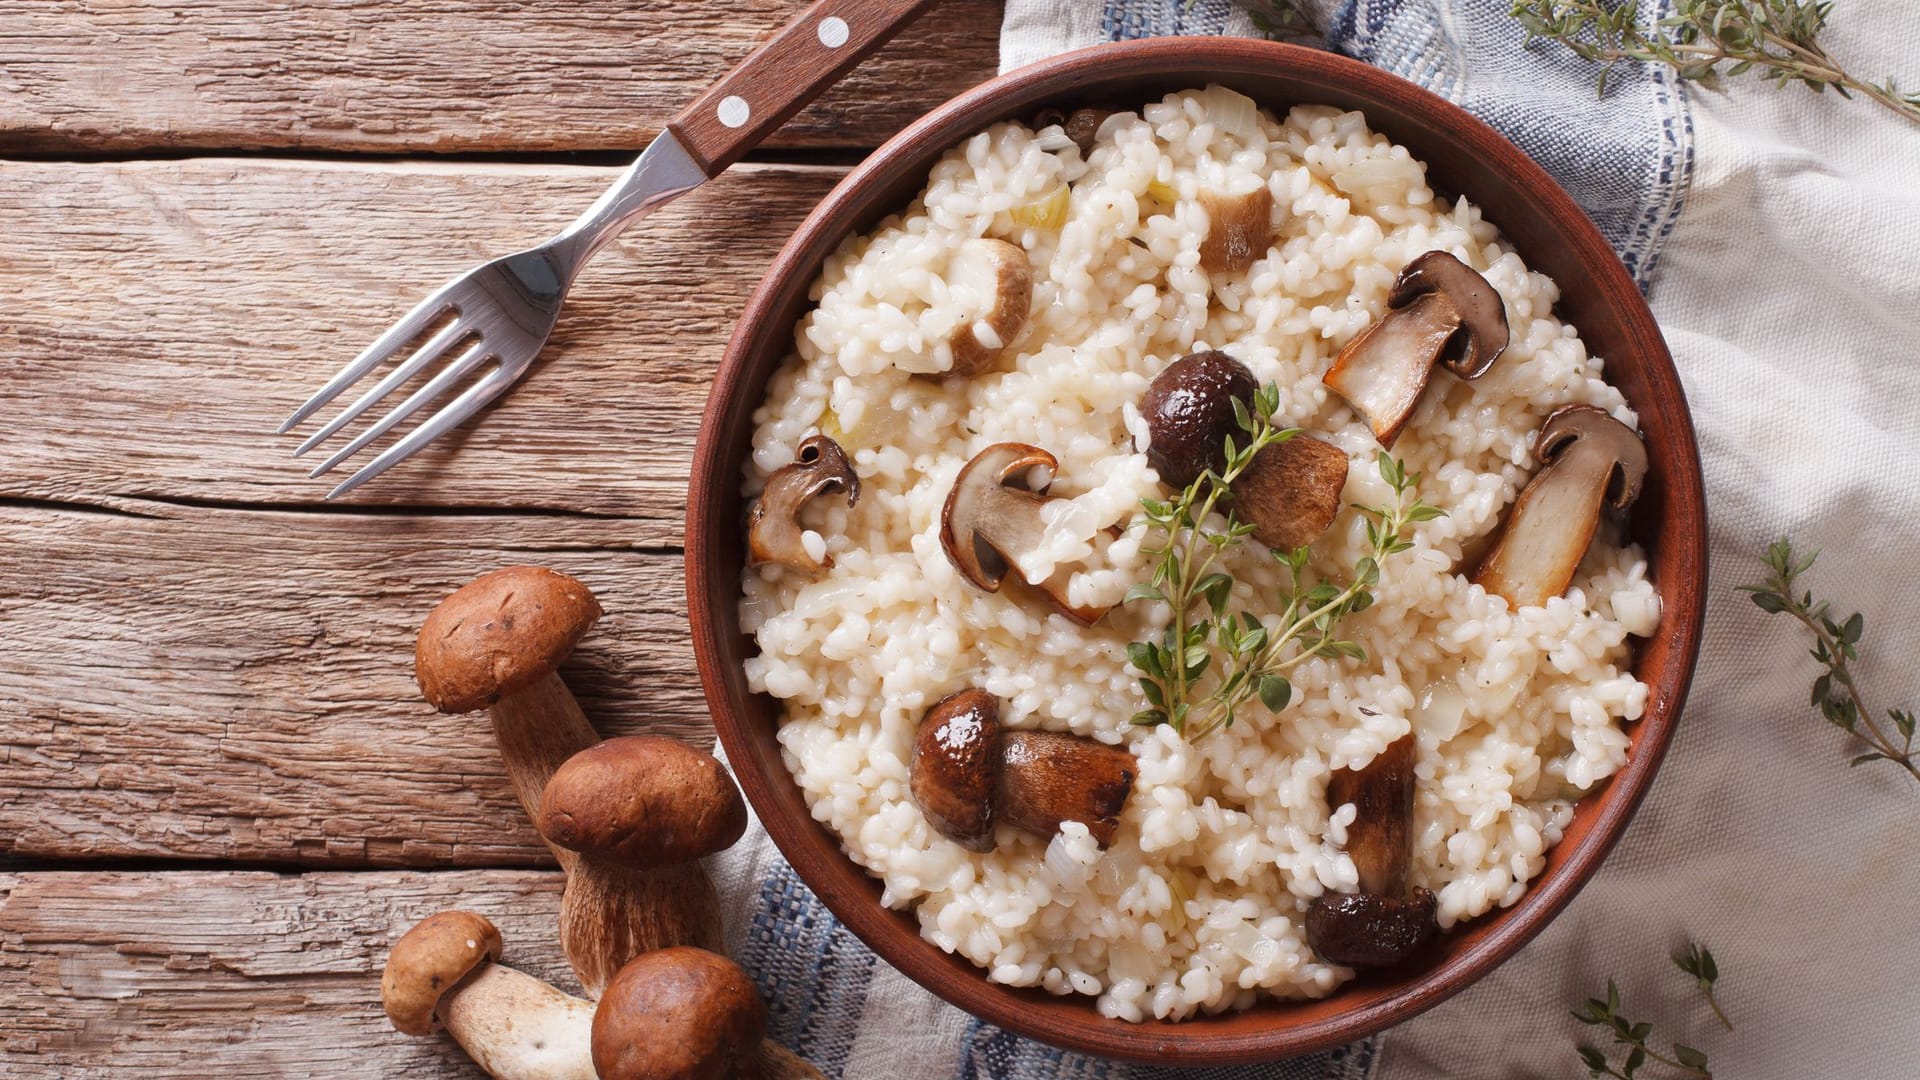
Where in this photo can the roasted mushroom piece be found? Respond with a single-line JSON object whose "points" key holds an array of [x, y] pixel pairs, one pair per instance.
{"points": [[1290, 492], [1383, 923], [1239, 229], [994, 280], [1590, 460], [774, 532], [954, 770], [1049, 777], [1440, 310], [987, 523]]}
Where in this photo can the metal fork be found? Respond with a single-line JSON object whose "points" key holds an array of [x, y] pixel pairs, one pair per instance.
{"points": [[502, 312]]}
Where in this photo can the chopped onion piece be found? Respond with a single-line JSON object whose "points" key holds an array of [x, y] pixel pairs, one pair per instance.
{"points": [[1047, 212], [1231, 111]]}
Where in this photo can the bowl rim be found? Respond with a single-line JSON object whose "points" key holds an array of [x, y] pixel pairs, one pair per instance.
{"points": [[1187, 1042]]}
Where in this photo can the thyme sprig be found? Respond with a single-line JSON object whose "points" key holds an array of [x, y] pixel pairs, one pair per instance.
{"points": [[1605, 1013], [1248, 658], [1777, 40], [1836, 645], [1281, 20]]}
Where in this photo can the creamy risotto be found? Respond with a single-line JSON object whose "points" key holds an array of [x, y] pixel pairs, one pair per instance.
{"points": [[1199, 902]]}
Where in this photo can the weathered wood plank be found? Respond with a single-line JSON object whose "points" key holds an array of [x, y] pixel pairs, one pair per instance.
{"points": [[162, 318], [195, 975], [431, 75], [192, 683]]}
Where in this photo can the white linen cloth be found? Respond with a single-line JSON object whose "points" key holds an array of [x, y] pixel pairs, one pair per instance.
{"points": [[1780, 245]]}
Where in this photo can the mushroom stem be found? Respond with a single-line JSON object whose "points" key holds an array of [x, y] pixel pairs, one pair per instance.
{"points": [[538, 729], [516, 1027], [610, 914]]}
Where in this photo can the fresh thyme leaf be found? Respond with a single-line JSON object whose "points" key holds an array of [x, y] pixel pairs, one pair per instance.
{"points": [[1776, 40], [1697, 961], [1836, 646], [1633, 1035]]}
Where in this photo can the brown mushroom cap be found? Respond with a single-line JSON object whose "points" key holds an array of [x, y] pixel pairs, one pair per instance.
{"points": [[986, 523], [1239, 229], [1290, 492], [643, 801], [1003, 273], [1380, 839], [1366, 930], [1189, 412], [819, 465], [1440, 310], [952, 775], [501, 632], [677, 1014], [1048, 777], [1589, 460], [428, 960]]}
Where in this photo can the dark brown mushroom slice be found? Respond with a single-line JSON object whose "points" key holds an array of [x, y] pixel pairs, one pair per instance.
{"points": [[1440, 311], [1290, 491], [1589, 461], [1189, 412], [1382, 923], [1050, 777], [773, 524], [987, 521], [953, 773], [1002, 274], [1239, 229], [1083, 127]]}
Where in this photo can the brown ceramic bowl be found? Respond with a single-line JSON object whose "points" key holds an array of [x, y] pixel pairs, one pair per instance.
{"points": [[1464, 156]]}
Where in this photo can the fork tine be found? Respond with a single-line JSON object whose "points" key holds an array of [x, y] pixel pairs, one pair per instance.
{"points": [[471, 401], [428, 354], [383, 346], [435, 387]]}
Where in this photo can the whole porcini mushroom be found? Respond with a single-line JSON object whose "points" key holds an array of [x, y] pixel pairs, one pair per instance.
{"points": [[953, 774], [678, 1014], [1440, 311], [640, 812], [774, 532], [1239, 228], [498, 642], [1049, 777], [987, 522], [1590, 461], [1382, 923], [512, 1025], [998, 278]]}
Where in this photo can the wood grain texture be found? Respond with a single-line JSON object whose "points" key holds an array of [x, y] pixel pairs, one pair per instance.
{"points": [[441, 76], [195, 974], [162, 318], [202, 683]]}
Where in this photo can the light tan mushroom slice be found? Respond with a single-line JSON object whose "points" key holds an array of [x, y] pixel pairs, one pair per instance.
{"points": [[1290, 492], [1440, 310], [1589, 460], [774, 532], [1239, 229], [988, 523], [995, 281]]}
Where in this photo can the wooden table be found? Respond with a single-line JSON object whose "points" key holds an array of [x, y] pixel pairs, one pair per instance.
{"points": [[221, 796]]}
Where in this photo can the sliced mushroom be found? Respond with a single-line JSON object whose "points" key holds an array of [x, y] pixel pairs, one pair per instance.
{"points": [[1290, 492], [952, 775], [998, 278], [986, 524], [1239, 229], [1383, 922], [1189, 412], [1590, 460], [774, 532], [1047, 777], [1440, 311]]}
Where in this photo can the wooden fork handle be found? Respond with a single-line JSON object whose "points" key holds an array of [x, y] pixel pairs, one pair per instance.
{"points": [[810, 54]]}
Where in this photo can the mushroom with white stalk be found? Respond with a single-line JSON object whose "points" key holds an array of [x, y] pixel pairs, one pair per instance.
{"points": [[774, 531], [1382, 923], [512, 1025], [1440, 311], [988, 523], [1591, 461], [992, 282], [497, 643]]}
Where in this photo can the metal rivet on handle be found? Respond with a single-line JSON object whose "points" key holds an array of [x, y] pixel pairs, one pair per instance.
{"points": [[833, 31], [733, 110]]}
